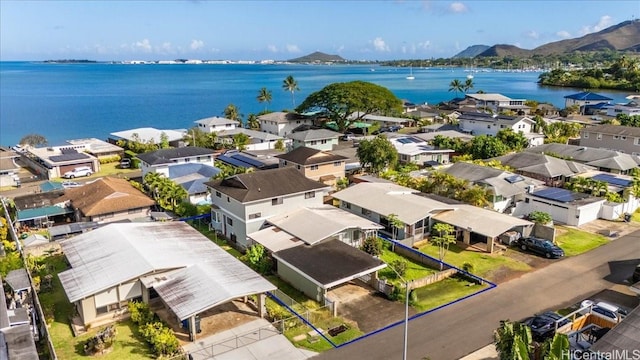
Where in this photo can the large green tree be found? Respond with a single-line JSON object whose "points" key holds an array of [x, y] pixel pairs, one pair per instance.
{"points": [[341, 101], [33, 140], [291, 85], [485, 147], [514, 140], [377, 154]]}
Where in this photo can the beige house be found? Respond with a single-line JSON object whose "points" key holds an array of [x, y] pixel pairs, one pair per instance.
{"points": [[317, 165], [282, 123], [107, 200]]}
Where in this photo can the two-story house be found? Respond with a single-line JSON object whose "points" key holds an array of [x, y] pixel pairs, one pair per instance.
{"points": [[630, 109], [602, 159], [489, 124], [499, 103], [414, 150], [586, 101], [320, 139], [215, 124], [625, 139], [242, 203], [160, 160], [282, 123], [315, 164]]}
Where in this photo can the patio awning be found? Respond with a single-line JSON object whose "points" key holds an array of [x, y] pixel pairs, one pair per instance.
{"points": [[40, 213]]}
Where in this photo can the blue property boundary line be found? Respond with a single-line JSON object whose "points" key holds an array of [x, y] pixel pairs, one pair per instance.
{"points": [[196, 217], [276, 299]]}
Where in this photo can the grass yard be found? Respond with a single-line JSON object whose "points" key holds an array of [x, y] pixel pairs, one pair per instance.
{"points": [[58, 311], [211, 234], [442, 292], [414, 270], [575, 242], [636, 216], [483, 263]]}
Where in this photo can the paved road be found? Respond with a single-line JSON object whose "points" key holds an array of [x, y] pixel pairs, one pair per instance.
{"points": [[462, 328]]}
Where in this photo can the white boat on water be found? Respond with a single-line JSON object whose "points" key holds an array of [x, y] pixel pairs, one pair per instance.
{"points": [[411, 77], [469, 76]]}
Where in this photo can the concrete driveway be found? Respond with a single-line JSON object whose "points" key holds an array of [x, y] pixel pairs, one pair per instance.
{"points": [[460, 329]]}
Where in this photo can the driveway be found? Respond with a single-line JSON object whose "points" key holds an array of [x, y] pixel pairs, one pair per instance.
{"points": [[461, 328]]}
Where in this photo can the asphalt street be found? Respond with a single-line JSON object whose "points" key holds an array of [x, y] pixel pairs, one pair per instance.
{"points": [[460, 329]]}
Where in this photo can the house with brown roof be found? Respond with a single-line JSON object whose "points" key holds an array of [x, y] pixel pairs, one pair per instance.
{"points": [[241, 204], [315, 164], [107, 200]]}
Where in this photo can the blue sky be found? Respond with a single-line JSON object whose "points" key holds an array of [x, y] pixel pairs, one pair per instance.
{"points": [[285, 29]]}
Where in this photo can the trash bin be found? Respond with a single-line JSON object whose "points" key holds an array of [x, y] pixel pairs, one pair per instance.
{"points": [[627, 217]]}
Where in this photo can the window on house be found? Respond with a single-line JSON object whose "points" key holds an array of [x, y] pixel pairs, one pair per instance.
{"points": [[366, 212], [313, 142], [228, 199], [314, 167], [309, 194], [276, 201], [346, 205], [255, 216], [323, 141], [187, 160], [298, 166], [337, 163], [284, 163], [488, 126], [215, 217], [623, 138], [135, 211], [218, 194], [636, 141], [229, 221], [616, 137]]}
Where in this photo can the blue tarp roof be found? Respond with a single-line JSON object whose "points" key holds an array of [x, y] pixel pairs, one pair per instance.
{"points": [[51, 186], [42, 212], [586, 95]]}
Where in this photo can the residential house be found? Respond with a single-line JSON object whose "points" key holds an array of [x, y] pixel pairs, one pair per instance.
{"points": [[216, 124], [498, 103], [317, 165], [192, 176], [53, 162], [588, 102], [625, 139], [384, 121], [489, 124], [506, 187], [107, 200], [282, 123], [630, 109], [8, 168], [565, 206], [96, 147], [166, 263], [245, 160], [41, 209], [161, 160], [242, 203], [313, 225], [428, 136], [602, 159], [18, 326], [320, 139], [414, 150], [552, 170], [257, 140], [149, 135], [618, 184]]}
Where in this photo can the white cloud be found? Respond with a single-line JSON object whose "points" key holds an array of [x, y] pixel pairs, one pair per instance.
{"points": [[563, 34], [533, 34], [604, 22], [144, 46], [196, 44], [272, 48], [293, 48], [379, 44], [458, 7], [166, 48], [424, 45]]}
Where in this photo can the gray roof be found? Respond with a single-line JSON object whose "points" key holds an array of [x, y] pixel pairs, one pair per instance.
{"points": [[150, 134], [281, 117], [428, 136], [309, 135], [215, 120], [330, 263], [481, 221], [256, 136], [167, 156], [118, 253], [192, 176], [623, 336], [17, 343], [499, 180], [389, 198], [265, 184], [596, 157], [544, 165], [18, 279], [312, 225]]}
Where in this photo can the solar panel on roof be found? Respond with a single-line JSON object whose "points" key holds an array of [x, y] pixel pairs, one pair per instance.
{"points": [[560, 195], [248, 160], [232, 161], [69, 151], [613, 180], [404, 140], [68, 157], [514, 179]]}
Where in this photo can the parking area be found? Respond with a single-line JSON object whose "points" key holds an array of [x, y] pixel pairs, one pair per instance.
{"points": [[611, 229]]}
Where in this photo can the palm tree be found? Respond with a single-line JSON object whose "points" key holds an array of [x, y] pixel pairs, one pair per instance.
{"points": [[264, 95], [468, 85], [253, 122], [291, 85], [457, 86], [512, 340], [232, 112], [395, 223]]}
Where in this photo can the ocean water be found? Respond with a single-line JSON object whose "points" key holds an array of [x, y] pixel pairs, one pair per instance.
{"points": [[72, 101]]}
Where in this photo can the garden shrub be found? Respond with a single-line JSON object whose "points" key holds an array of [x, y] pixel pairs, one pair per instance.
{"points": [[103, 340], [161, 338]]}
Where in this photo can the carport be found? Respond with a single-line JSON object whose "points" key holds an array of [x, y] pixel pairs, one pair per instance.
{"points": [[315, 269], [481, 226]]}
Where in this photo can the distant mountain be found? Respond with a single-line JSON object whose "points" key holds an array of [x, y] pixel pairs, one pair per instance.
{"points": [[318, 57], [622, 37], [471, 52]]}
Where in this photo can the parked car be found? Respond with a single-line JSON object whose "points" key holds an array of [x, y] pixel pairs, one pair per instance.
{"points": [[541, 247], [70, 184], [543, 326], [78, 172], [603, 309], [348, 136], [636, 274], [125, 163]]}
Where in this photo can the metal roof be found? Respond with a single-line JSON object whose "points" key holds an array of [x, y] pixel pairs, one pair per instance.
{"points": [[586, 95], [118, 253], [18, 279], [42, 212], [274, 239], [480, 221], [150, 134]]}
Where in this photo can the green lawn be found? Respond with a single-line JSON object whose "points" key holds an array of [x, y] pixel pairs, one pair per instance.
{"points": [[57, 312], [575, 242], [636, 216], [442, 292], [483, 263], [211, 234], [414, 271]]}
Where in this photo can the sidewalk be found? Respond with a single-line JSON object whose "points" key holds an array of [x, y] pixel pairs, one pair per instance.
{"points": [[486, 353]]}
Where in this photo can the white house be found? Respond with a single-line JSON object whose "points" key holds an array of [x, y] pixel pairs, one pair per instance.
{"points": [[160, 160], [151, 135], [282, 123], [319, 139], [241, 204], [489, 124], [564, 206], [215, 124], [630, 109], [257, 140], [414, 150], [498, 103]]}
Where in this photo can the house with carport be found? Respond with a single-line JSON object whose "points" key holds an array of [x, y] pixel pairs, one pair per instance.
{"points": [[165, 263], [241, 204], [53, 161]]}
